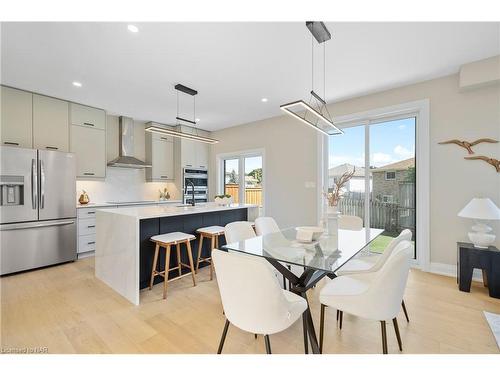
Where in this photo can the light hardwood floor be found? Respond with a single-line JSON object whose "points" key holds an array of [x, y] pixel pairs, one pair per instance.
{"points": [[66, 309]]}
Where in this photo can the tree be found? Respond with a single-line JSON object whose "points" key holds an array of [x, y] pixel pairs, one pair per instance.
{"points": [[257, 174], [233, 177], [411, 175]]}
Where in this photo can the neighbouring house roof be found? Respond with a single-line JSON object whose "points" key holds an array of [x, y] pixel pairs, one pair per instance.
{"points": [[398, 166], [339, 170]]}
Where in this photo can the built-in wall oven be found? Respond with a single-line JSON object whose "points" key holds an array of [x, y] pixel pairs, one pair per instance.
{"points": [[197, 179]]}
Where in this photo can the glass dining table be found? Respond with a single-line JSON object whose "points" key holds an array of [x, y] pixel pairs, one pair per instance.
{"points": [[316, 259]]}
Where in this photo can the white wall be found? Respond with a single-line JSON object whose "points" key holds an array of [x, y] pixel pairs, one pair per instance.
{"points": [[466, 115], [123, 184], [291, 160]]}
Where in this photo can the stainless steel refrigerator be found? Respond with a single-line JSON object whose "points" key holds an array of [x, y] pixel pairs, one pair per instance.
{"points": [[37, 208]]}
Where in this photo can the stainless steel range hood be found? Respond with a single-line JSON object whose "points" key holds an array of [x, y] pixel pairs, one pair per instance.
{"points": [[126, 158]]}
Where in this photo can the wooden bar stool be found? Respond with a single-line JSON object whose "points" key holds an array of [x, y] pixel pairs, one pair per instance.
{"points": [[213, 234], [166, 241]]}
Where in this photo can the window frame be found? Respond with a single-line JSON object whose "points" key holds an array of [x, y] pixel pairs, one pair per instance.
{"points": [[420, 109], [241, 155], [390, 179]]}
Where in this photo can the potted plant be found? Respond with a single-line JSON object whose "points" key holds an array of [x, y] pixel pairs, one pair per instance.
{"points": [[333, 199]]}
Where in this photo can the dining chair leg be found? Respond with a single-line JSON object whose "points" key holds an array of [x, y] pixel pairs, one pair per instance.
{"points": [[255, 335], [398, 336], [212, 246], [268, 344], [341, 315], [223, 338], [405, 311], [338, 313], [155, 261], [304, 330], [321, 327], [384, 336]]}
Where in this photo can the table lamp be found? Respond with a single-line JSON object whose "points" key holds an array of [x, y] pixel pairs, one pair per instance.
{"points": [[481, 209]]}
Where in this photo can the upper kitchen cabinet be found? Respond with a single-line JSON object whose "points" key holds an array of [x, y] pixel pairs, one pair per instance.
{"points": [[50, 123], [89, 145], [160, 154], [88, 140], [88, 116], [17, 117], [193, 154]]}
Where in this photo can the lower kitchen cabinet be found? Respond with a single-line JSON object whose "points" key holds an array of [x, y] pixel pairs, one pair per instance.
{"points": [[89, 145]]}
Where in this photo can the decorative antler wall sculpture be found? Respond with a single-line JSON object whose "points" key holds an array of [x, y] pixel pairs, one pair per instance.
{"points": [[468, 146], [493, 162]]}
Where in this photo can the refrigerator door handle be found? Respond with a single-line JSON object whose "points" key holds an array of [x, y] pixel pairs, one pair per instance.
{"points": [[42, 185], [34, 184], [37, 225]]}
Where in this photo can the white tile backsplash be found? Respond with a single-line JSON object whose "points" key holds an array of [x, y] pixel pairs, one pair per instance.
{"points": [[122, 184]]}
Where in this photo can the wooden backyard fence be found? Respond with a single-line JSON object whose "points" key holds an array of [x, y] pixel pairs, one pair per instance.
{"points": [[253, 195]]}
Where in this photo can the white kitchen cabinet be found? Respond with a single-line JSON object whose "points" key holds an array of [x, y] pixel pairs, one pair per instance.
{"points": [[160, 154], [17, 116], [50, 123], [89, 145], [193, 153], [88, 116]]}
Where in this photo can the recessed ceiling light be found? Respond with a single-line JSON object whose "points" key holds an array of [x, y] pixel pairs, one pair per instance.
{"points": [[263, 100], [77, 84], [132, 28]]}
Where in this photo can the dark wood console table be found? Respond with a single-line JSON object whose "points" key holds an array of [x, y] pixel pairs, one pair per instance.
{"points": [[488, 260]]}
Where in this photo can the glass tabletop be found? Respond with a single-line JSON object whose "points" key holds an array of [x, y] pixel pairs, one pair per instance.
{"points": [[328, 254]]}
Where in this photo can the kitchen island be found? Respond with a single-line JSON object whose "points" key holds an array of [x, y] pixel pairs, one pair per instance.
{"points": [[124, 252]]}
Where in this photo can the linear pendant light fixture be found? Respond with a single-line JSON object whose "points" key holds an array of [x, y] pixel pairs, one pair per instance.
{"points": [[181, 134], [315, 112]]}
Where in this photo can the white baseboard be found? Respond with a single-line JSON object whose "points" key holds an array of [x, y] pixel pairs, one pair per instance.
{"points": [[451, 270]]}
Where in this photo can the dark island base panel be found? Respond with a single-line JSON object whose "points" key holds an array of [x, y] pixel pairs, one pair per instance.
{"points": [[182, 223]]}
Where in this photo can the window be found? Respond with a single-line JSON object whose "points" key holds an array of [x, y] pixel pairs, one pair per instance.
{"points": [[246, 187], [390, 176], [382, 152]]}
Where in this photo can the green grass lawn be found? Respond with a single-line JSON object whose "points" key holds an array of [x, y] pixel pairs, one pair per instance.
{"points": [[380, 243]]}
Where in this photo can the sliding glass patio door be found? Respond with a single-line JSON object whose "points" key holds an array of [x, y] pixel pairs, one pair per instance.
{"points": [[380, 155]]}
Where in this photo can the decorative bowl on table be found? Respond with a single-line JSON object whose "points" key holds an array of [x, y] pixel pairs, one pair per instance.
{"points": [[309, 234]]}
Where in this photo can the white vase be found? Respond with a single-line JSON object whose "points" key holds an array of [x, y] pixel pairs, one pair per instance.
{"points": [[333, 221]]}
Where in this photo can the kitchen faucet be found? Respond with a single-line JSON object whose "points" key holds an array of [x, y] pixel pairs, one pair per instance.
{"points": [[186, 189]]}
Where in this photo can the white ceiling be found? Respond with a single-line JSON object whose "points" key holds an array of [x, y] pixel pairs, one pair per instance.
{"points": [[232, 65]]}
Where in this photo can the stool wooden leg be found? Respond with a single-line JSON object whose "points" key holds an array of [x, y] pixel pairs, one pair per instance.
{"points": [[212, 246], [190, 255], [167, 267], [178, 249], [200, 246], [155, 261]]}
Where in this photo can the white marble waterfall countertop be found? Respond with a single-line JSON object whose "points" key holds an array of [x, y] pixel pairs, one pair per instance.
{"points": [[174, 210]]}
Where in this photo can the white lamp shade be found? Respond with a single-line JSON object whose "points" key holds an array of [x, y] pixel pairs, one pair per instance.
{"points": [[482, 209]]}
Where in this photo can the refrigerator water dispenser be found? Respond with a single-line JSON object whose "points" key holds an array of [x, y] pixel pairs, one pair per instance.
{"points": [[12, 190]]}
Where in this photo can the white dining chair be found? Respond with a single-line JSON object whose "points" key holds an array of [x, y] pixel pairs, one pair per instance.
{"points": [[371, 295], [265, 225], [238, 231], [252, 298], [350, 222], [368, 264]]}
